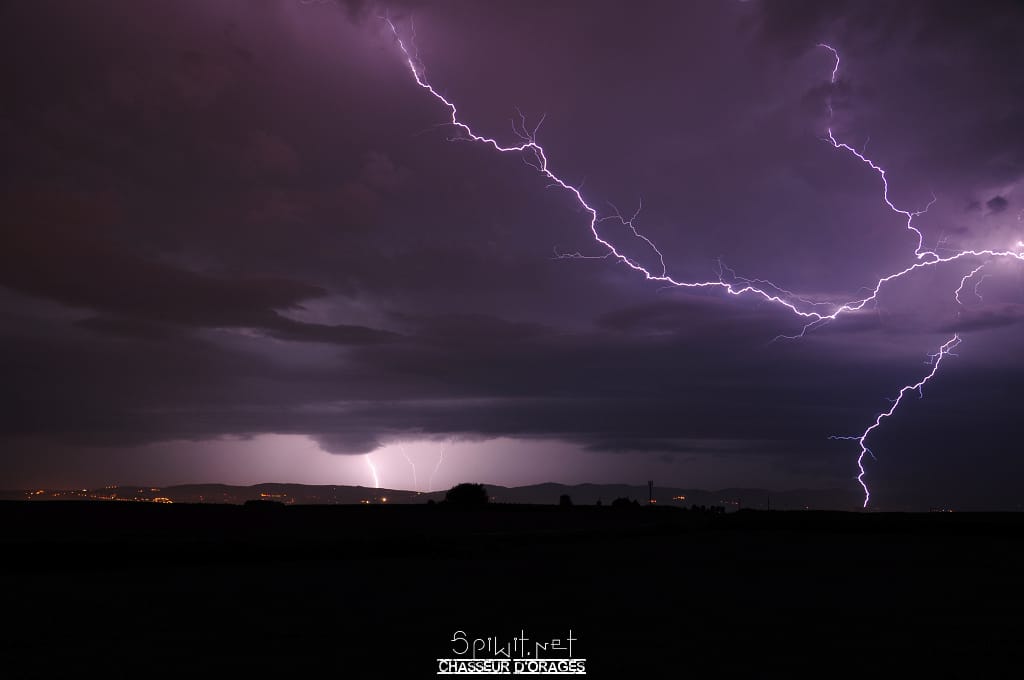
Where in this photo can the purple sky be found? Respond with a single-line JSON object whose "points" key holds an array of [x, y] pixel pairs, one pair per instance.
{"points": [[237, 244]]}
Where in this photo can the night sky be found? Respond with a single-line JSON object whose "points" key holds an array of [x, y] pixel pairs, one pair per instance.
{"points": [[239, 244]]}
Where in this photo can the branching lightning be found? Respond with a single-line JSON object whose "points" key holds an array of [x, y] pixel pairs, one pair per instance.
{"points": [[534, 155], [810, 312], [967, 277], [909, 215], [934, 360]]}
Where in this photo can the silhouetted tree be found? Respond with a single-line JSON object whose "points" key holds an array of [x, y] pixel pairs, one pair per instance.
{"points": [[624, 503], [565, 500], [262, 504], [466, 494]]}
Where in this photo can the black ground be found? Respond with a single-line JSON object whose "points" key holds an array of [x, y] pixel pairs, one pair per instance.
{"points": [[134, 589]]}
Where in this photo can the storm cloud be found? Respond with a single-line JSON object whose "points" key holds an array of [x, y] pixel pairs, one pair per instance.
{"points": [[245, 218]]}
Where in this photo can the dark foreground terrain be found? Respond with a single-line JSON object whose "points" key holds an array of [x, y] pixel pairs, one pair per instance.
{"points": [[135, 589]]}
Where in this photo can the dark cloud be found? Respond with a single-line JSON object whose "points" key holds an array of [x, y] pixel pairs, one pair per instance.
{"points": [[978, 136], [49, 248], [989, 316], [242, 218], [136, 329], [926, 23], [997, 204]]}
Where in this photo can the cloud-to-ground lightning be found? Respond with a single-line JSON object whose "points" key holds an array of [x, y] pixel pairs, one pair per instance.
{"points": [[809, 311], [437, 466], [415, 483], [373, 471], [935, 360]]}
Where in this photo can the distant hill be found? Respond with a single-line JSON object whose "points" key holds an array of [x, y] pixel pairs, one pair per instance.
{"points": [[541, 494]]}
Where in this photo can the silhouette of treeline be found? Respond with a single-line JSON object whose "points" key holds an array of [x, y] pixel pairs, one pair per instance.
{"points": [[475, 495], [542, 494]]}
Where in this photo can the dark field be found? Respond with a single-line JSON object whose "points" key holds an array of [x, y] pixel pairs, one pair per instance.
{"points": [[135, 589]]}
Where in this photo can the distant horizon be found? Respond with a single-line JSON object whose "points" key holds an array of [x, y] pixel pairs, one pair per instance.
{"points": [[750, 246], [421, 491], [544, 493]]}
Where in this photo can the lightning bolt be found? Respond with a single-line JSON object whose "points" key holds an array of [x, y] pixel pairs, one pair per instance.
{"points": [[534, 155], [934, 360], [859, 155], [809, 311], [967, 277], [908, 214], [373, 471], [440, 459], [415, 484], [835, 69]]}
